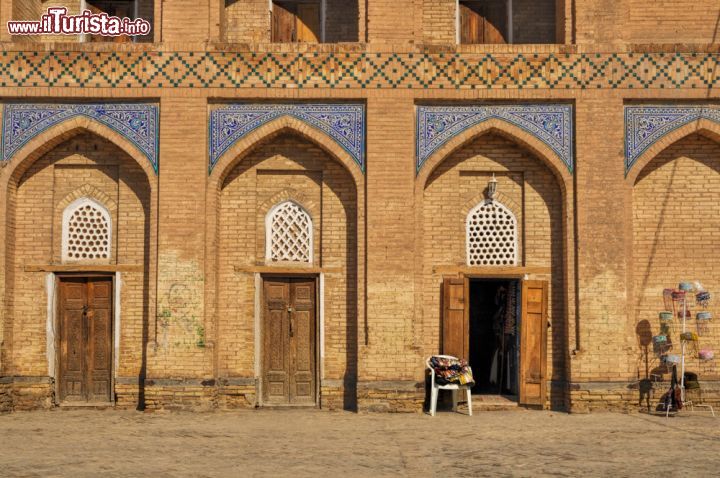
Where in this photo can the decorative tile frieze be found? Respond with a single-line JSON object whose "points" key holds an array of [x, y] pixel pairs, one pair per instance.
{"points": [[344, 123], [215, 69], [550, 123], [137, 122], [646, 125]]}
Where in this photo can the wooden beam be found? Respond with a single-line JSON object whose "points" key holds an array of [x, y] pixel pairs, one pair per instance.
{"points": [[84, 268], [491, 271], [286, 270]]}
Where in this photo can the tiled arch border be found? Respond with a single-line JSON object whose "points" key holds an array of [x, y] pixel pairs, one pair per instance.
{"points": [[551, 124], [343, 123], [136, 122], [651, 128]]}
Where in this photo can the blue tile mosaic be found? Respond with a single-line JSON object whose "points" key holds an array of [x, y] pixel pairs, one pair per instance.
{"points": [[137, 122], [646, 125], [550, 123], [344, 123]]}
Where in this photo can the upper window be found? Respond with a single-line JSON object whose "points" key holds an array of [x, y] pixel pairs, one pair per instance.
{"points": [[506, 21], [289, 234], [131, 9], [492, 236], [86, 231]]}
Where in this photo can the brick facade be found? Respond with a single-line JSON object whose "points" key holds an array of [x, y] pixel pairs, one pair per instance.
{"points": [[188, 250]]}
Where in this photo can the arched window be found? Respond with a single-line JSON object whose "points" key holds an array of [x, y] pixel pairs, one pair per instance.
{"points": [[491, 230], [288, 234], [86, 231]]}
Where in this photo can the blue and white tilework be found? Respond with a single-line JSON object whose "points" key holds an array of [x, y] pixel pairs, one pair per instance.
{"points": [[344, 123], [645, 125], [550, 123], [137, 122]]}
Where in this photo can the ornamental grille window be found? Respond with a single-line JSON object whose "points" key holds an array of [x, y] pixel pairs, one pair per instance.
{"points": [[491, 230], [86, 232], [289, 234]]}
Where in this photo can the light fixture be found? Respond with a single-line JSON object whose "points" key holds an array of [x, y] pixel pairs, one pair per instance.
{"points": [[492, 188]]}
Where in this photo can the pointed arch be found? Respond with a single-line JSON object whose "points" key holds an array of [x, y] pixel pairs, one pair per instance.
{"points": [[289, 233], [507, 130], [702, 126], [61, 132], [284, 124]]}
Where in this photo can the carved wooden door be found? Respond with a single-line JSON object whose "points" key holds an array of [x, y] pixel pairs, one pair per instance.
{"points": [[289, 340], [85, 340]]}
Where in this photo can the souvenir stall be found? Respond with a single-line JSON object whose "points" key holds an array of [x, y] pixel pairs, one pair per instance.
{"points": [[680, 347]]}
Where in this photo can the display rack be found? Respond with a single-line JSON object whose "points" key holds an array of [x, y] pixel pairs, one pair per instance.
{"points": [[679, 309]]}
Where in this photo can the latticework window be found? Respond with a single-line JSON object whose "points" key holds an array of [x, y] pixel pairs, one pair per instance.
{"points": [[491, 230], [86, 232], [289, 234]]}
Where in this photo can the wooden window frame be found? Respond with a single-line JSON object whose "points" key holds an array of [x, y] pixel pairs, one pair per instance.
{"points": [[562, 36]]}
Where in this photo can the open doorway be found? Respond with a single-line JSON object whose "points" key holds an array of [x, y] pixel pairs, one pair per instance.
{"points": [[494, 341]]}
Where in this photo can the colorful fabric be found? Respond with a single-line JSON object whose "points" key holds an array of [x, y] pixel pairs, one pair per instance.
{"points": [[451, 371]]}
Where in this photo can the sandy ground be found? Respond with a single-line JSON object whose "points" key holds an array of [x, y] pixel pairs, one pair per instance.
{"points": [[302, 443]]}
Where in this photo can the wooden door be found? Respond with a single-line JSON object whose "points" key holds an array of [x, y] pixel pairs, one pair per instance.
{"points": [[283, 24], [472, 23], [308, 22], [85, 339], [289, 341], [455, 321], [533, 343], [479, 24]]}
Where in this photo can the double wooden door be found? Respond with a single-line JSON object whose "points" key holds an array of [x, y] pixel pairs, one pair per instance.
{"points": [[289, 342], [533, 333], [85, 339]]}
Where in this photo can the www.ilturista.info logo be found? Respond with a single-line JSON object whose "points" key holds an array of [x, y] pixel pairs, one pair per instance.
{"points": [[57, 22]]}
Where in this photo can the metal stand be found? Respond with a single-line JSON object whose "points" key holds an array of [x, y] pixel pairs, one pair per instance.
{"points": [[683, 344]]}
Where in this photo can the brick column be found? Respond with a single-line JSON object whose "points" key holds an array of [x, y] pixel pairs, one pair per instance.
{"points": [[603, 238], [388, 362], [181, 353]]}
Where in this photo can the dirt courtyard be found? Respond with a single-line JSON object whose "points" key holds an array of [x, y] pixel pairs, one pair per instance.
{"points": [[302, 443]]}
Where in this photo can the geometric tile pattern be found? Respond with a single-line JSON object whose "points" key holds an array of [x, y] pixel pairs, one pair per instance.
{"points": [[645, 125], [215, 69], [550, 123], [344, 123], [137, 122]]}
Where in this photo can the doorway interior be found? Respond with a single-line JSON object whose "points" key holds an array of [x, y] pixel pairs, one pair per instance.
{"points": [[494, 339]]}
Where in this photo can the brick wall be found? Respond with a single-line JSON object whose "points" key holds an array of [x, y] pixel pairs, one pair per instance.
{"points": [[439, 21], [199, 327], [674, 21], [247, 21]]}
